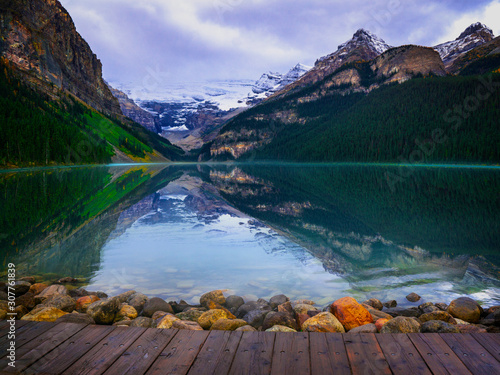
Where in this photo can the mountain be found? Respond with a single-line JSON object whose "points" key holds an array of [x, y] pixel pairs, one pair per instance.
{"points": [[473, 36], [56, 107], [480, 60]]}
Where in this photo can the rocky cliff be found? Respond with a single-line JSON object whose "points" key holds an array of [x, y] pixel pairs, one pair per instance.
{"points": [[39, 38]]}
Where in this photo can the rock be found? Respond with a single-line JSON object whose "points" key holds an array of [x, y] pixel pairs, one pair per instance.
{"points": [[101, 295], [62, 302], [4, 305], [137, 300], [21, 287], [78, 292], [234, 302], [228, 324], [286, 307], [104, 311], [323, 322], [375, 303], [303, 302], [179, 307], [83, 303], [142, 321], [20, 311], [376, 314], [246, 328], [437, 315], [166, 321], [76, 318], [3, 296], [438, 326], [492, 309], [401, 324], [428, 307], [278, 328], [303, 308], [250, 306], [126, 312], [390, 304], [50, 292], [279, 318], [192, 315], [367, 328], [350, 313], [255, 318], [398, 311], [3, 314], [159, 314], [27, 300], [123, 323], [466, 309], [413, 297], [470, 328], [29, 279], [215, 295], [441, 306], [67, 280], [215, 306], [186, 324], [460, 321], [156, 304], [44, 314], [210, 317], [302, 318], [380, 323], [280, 299], [123, 297]]}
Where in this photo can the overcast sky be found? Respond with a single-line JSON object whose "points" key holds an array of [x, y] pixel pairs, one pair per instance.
{"points": [[191, 40]]}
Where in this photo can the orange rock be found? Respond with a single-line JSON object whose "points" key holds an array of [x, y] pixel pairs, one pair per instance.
{"points": [[350, 313], [301, 318], [38, 288], [83, 302], [215, 306], [380, 323]]}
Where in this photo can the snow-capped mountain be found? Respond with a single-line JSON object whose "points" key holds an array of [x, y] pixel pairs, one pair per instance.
{"points": [[474, 36]]}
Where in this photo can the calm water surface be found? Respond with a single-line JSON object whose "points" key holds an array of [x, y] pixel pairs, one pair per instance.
{"points": [[318, 232]]}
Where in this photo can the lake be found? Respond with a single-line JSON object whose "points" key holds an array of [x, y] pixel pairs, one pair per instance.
{"points": [[309, 231]]}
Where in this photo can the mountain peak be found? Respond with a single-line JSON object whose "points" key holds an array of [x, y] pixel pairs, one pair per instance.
{"points": [[365, 37], [474, 28]]}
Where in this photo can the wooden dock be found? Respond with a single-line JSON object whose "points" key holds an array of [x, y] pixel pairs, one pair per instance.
{"points": [[65, 348]]}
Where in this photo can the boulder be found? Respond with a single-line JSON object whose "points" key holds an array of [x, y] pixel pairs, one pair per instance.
{"points": [[413, 297], [104, 311], [390, 304], [286, 307], [142, 321], [437, 315], [250, 306], [438, 326], [399, 311], [323, 322], [29, 279], [3, 314], [44, 314], [50, 292], [367, 328], [280, 299], [255, 318], [126, 312], [465, 308], [441, 306], [401, 324], [123, 297], [3, 296], [62, 302], [303, 308], [38, 288], [376, 314], [380, 323], [123, 323], [470, 328], [67, 280], [215, 306], [83, 303], [166, 321], [303, 302], [179, 307], [155, 304], [210, 317], [279, 318], [246, 328], [234, 302], [228, 324], [76, 318], [27, 300], [492, 309], [215, 295], [192, 315], [21, 287], [428, 307], [278, 328], [137, 300], [374, 303], [350, 313], [186, 324], [20, 311]]}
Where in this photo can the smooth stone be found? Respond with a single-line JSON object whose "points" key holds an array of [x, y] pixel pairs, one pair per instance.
{"points": [[428, 307], [192, 315], [62, 302], [255, 318], [83, 303], [380, 323], [470, 328], [126, 312], [350, 313], [367, 328], [186, 324], [492, 309], [323, 322], [215, 306], [44, 314], [374, 303], [27, 300], [277, 300], [166, 321], [279, 318], [210, 317], [215, 295], [123, 323], [250, 306], [441, 306], [286, 307], [67, 280], [413, 297], [303, 308], [438, 326], [377, 314], [155, 304], [465, 308], [401, 324], [390, 304], [4, 305], [399, 311], [247, 328], [20, 311], [142, 321], [123, 297], [3, 314], [228, 324], [138, 300], [437, 315], [21, 287], [179, 307], [50, 292], [104, 311], [278, 328], [4, 296], [76, 318], [159, 314], [303, 302], [29, 279], [78, 292], [234, 302]]}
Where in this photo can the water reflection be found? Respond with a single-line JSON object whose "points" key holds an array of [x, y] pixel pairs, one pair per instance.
{"points": [[316, 232]]}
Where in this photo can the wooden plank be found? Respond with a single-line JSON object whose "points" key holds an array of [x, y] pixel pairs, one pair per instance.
{"points": [[401, 354], [70, 351], [437, 354], [217, 353], [142, 353], [328, 354], [365, 354], [5, 326], [477, 359], [180, 353], [489, 341], [291, 354], [254, 354], [106, 351], [26, 332], [38, 347]]}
